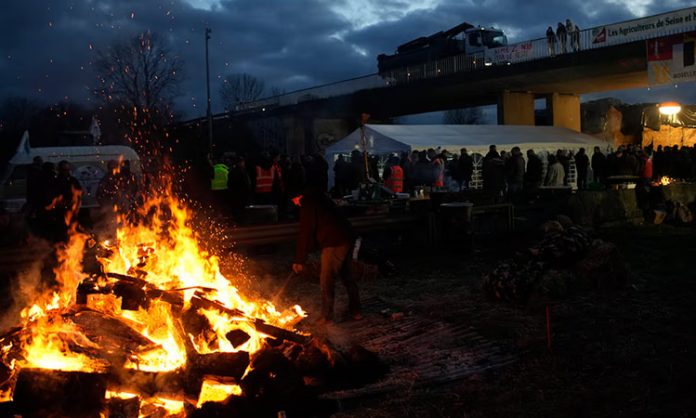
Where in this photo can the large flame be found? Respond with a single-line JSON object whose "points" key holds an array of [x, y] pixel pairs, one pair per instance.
{"points": [[158, 248]]}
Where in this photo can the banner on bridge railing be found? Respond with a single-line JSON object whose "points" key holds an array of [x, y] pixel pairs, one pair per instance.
{"points": [[671, 59], [644, 28], [512, 53]]}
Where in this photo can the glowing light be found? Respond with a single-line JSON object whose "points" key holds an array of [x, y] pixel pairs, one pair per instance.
{"points": [[669, 108]]}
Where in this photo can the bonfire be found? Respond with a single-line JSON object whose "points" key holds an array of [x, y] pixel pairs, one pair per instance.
{"points": [[157, 330]]}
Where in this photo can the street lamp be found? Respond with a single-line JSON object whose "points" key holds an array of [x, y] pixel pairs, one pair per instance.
{"points": [[209, 113], [669, 108]]}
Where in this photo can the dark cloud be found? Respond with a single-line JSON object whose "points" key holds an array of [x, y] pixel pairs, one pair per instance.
{"points": [[48, 45]]}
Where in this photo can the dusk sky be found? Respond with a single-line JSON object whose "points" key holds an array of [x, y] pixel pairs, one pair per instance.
{"points": [[47, 46]]}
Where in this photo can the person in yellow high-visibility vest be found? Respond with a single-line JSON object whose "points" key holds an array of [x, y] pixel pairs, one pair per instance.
{"points": [[220, 174], [218, 183]]}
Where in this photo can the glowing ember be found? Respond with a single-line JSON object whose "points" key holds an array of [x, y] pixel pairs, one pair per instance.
{"points": [[114, 394], [157, 406], [665, 180], [214, 391]]}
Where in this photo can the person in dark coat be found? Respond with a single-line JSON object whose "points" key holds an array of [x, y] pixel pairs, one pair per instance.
{"points": [[341, 176], [323, 223], [240, 189], [551, 41], [34, 186], [357, 169], [465, 168], [514, 170], [67, 202], [582, 162], [599, 163], [535, 169], [320, 171], [494, 174]]}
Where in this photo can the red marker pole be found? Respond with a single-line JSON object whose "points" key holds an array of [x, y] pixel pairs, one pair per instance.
{"points": [[548, 328]]}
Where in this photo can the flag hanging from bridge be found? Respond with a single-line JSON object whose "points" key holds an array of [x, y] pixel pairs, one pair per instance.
{"points": [[671, 59]]}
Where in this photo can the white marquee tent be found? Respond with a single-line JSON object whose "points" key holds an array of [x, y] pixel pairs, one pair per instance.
{"points": [[389, 139], [386, 139]]}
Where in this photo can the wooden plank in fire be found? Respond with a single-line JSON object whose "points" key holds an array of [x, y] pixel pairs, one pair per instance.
{"points": [[199, 301]]}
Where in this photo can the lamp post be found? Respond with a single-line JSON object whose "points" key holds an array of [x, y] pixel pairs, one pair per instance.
{"points": [[209, 112]]}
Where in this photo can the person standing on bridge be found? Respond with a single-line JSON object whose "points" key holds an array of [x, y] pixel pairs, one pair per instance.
{"points": [[574, 34], [551, 41], [562, 35]]}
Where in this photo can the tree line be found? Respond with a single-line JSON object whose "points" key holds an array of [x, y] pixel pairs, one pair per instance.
{"points": [[136, 83]]}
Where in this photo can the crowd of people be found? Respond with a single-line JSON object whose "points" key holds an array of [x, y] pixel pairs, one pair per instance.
{"points": [[510, 173], [265, 179], [565, 34], [53, 194]]}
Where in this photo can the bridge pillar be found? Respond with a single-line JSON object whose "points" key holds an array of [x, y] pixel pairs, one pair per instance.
{"points": [[565, 110], [516, 108]]}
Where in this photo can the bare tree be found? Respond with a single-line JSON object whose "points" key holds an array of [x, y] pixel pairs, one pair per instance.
{"points": [[466, 116], [240, 88], [141, 73]]}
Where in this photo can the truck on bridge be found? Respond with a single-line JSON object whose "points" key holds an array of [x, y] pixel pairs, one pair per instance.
{"points": [[463, 39]]}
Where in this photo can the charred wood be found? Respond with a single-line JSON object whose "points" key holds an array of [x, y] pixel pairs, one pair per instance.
{"points": [[237, 337], [48, 393], [123, 408], [219, 364]]}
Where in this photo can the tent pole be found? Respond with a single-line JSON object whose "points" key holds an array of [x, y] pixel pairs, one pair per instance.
{"points": [[363, 120]]}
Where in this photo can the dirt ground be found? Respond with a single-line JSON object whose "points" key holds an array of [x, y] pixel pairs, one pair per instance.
{"points": [[614, 353]]}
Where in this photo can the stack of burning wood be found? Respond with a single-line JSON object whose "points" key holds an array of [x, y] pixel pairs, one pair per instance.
{"points": [[158, 331]]}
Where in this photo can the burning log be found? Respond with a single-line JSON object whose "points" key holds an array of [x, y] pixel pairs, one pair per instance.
{"points": [[173, 297], [147, 384], [220, 364], [199, 301], [111, 333], [48, 393], [237, 337], [122, 405]]}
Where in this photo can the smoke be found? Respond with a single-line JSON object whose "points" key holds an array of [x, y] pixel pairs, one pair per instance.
{"points": [[25, 287]]}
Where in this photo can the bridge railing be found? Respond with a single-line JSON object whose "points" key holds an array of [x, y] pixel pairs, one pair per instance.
{"points": [[683, 20], [320, 92], [597, 37]]}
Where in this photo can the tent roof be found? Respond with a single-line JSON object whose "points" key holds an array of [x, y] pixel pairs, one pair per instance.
{"points": [[384, 139]]}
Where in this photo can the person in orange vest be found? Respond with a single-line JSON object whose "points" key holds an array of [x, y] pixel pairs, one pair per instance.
{"points": [[265, 176], [394, 175], [438, 162]]}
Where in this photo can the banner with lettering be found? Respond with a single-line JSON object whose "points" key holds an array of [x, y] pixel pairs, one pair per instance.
{"points": [[671, 59], [512, 53], [644, 28]]}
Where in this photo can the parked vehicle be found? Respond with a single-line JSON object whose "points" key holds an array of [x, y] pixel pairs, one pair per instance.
{"points": [[463, 39], [88, 163]]}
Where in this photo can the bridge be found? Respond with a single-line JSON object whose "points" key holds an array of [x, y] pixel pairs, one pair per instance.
{"points": [[610, 57]]}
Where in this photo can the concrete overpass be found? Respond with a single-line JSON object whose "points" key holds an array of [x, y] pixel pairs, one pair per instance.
{"points": [[610, 57]]}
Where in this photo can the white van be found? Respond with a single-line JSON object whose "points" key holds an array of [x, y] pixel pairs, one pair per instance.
{"points": [[88, 163]]}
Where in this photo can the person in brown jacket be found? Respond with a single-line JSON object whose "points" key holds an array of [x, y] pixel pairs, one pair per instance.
{"points": [[323, 223]]}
